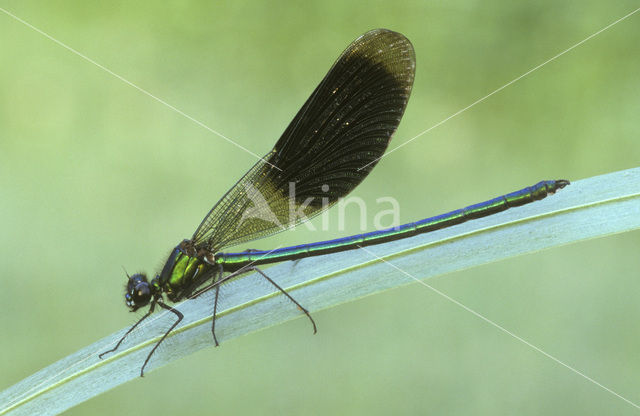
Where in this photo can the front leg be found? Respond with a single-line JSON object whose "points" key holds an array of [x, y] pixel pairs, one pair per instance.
{"points": [[146, 315], [179, 315]]}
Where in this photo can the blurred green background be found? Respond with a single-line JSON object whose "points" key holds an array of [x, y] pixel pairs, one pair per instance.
{"points": [[95, 175]]}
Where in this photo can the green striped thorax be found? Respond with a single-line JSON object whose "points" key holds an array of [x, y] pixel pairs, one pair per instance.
{"points": [[184, 270]]}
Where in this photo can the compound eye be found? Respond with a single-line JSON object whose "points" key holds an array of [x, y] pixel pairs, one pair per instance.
{"points": [[138, 292], [142, 294]]}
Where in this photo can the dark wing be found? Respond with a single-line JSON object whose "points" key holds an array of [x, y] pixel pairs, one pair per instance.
{"points": [[344, 126]]}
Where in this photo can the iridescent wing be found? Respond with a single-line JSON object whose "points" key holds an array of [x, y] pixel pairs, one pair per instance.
{"points": [[330, 146]]}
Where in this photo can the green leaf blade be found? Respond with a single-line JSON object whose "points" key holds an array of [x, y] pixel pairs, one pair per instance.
{"points": [[586, 209]]}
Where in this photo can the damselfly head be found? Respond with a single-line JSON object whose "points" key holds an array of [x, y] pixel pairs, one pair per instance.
{"points": [[138, 292]]}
